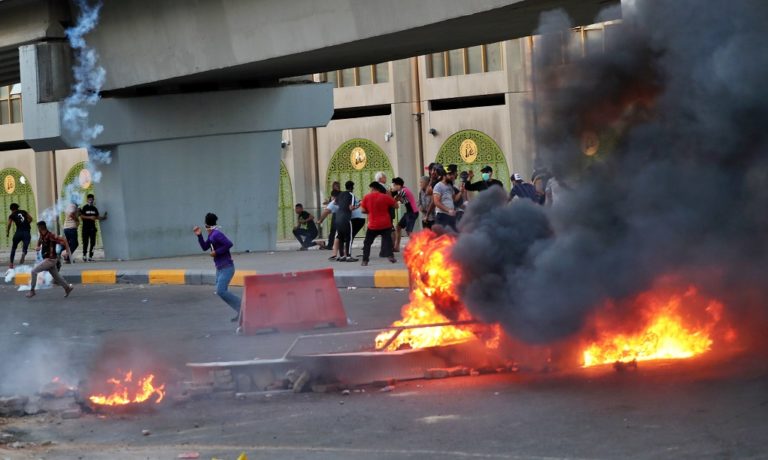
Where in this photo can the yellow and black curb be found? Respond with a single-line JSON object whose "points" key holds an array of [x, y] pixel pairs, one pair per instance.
{"points": [[361, 279]]}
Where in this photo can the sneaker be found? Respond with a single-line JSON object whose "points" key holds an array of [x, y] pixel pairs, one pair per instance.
{"points": [[364, 263], [30, 294], [341, 259], [303, 248], [67, 289], [332, 258], [352, 259], [392, 259]]}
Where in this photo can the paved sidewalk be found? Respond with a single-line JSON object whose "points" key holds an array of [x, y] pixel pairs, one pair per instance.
{"points": [[199, 269]]}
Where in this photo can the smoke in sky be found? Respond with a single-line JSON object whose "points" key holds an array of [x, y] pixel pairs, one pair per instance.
{"points": [[88, 80], [678, 186]]}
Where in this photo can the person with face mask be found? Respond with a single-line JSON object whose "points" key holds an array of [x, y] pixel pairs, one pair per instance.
{"points": [[219, 247], [486, 182]]}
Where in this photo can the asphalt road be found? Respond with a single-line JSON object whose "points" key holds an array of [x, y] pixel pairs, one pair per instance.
{"points": [[694, 409]]}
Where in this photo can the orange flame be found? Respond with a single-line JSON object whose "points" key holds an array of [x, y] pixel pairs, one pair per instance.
{"points": [[126, 391], [670, 330], [433, 299]]}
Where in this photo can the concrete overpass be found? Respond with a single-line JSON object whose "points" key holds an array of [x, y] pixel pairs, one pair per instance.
{"points": [[192, 100]]}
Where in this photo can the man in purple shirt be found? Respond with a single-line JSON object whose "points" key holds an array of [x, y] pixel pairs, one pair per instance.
{"points": [[219, 246]]}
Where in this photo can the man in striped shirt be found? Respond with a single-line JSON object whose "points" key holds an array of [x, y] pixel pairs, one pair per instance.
{"points": [[47, 247]]}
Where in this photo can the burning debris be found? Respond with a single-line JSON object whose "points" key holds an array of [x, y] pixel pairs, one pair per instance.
{"points": [[434, 299], [670, 326]]}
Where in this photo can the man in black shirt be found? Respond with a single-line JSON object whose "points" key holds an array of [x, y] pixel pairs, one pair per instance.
{"points": [[485, 183], [89, 215], [305, 235], [23, 221], [343, 219]]}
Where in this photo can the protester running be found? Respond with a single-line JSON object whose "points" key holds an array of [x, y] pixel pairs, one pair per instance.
{"points": [[219, 245], [47, 247]]}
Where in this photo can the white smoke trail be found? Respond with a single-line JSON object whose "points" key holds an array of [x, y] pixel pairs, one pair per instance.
{"points": [[88, 80]]}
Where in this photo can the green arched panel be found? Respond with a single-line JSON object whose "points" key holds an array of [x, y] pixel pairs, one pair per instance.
{"points": [[285, 214], [341, 168], [22, 193], [73, 186], [488, 153]]}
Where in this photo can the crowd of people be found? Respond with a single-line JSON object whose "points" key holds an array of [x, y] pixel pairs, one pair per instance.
{"points": [[442, 198], [50, 246]]}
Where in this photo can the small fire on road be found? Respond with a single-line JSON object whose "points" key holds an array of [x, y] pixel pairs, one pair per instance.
{"points": [[127, 390]]}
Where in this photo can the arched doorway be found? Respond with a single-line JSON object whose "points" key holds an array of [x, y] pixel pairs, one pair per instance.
{"points": [[357, 160], [78, 183], [471, 150], [16, 189], [285, 214]]}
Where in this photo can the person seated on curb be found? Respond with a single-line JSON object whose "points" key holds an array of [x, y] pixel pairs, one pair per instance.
{"points": [[47, 247], [306, 235]]}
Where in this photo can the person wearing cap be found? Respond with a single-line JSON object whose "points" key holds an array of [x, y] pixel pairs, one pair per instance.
{"points": [[522, 189], [219, 245], [443, 197], [486, 182]]}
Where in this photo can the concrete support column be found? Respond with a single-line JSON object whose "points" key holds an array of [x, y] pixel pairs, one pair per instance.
{"points": [[407, 159], [156, 192]]}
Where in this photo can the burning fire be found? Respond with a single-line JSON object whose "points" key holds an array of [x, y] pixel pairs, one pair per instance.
{"points": [[128, 391], [434, 299], [672, 327]]}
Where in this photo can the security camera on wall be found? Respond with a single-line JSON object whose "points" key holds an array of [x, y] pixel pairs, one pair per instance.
{"points": [[285, 143], [387, 136]]}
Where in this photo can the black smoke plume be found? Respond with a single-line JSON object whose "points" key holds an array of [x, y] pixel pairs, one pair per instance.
{"points": [[678, 102]]}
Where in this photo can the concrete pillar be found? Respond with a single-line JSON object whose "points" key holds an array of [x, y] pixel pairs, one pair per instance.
{"points": [[155, 192]]}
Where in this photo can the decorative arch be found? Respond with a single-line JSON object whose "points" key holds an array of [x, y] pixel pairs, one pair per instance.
{"points": [[78, 183], [15, 189], [471, 150], [347, 164], [285, 214]]}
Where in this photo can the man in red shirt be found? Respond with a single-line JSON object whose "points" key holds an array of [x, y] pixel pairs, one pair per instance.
{"points": [[47, 248], [377, 206]]}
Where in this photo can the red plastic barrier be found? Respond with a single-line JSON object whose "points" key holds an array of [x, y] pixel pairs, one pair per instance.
{"points": [[294, 301]]}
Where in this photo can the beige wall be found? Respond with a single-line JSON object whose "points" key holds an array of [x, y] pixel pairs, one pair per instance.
{"points": [[37, 167]]}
